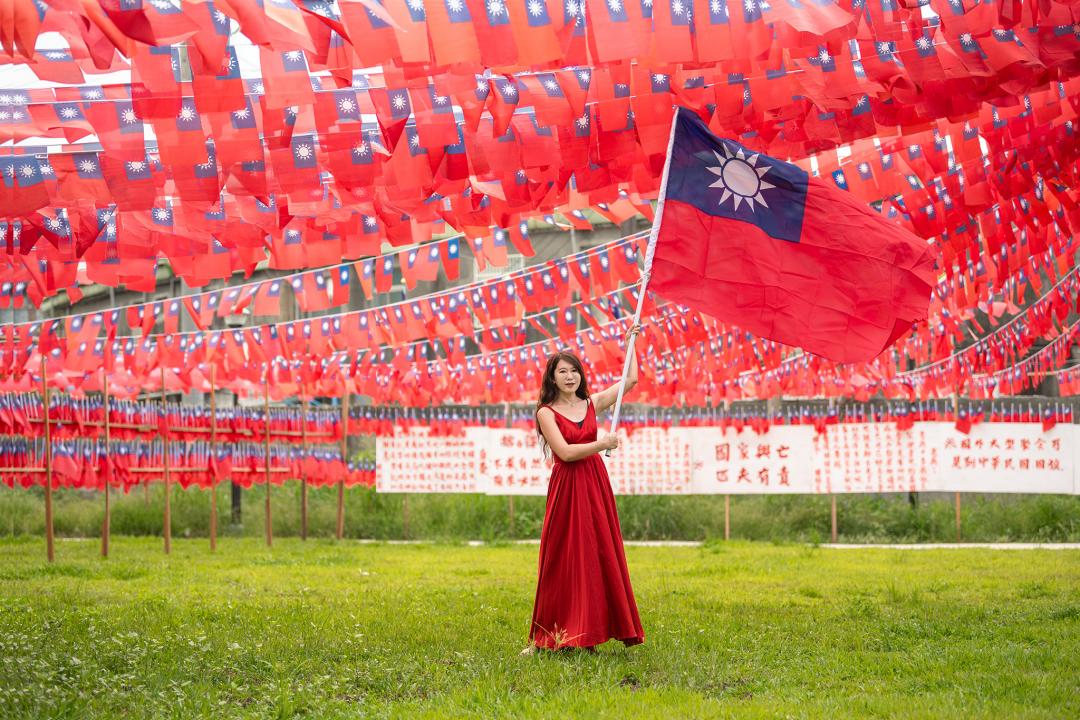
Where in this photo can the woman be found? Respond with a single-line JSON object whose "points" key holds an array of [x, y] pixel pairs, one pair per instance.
{"points": [[583, 593]]}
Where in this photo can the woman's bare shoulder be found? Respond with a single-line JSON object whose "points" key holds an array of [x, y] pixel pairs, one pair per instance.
{"points": [[542, 408]]}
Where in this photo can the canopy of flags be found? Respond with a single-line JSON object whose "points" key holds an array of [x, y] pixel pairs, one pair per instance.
{"points": [[308, 133]]}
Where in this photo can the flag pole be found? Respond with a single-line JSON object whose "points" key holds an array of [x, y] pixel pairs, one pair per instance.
{"points": [[650, 251]]}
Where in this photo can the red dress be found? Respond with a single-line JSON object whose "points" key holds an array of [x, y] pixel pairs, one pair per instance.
{"points": [[583, 593]]}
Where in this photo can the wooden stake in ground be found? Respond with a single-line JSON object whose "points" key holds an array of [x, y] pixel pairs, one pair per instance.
{"points": [[165, 467], [49, 550], [956, 414], [105, 523], [958, 516], [344, 460], [832, 512], [213, 455], [303, 472], [266, 408]]}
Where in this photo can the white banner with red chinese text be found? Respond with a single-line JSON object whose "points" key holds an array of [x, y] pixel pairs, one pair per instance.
{"points": [[849, 458]]}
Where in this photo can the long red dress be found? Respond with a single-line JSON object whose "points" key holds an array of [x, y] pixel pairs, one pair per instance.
{"points": [[583, 593]]}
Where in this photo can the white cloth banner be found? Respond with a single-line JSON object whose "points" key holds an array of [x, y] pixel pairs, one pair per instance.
{"points": [[792, 459]]}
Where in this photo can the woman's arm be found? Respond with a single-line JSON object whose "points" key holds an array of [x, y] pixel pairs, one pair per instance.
{"points": [[605, 398], [564, 450]]}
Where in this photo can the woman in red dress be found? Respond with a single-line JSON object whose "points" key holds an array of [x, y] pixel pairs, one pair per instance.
{"points": [[583, 593]]}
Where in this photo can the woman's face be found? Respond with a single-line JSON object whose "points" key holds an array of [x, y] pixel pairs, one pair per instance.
{"points": [[567, 378]]}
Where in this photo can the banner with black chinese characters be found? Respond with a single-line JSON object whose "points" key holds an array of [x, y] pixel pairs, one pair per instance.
{"points": [[787, 459]]}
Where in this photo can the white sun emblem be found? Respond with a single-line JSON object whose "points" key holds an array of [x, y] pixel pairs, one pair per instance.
{"points": [[495, 8], [69, 112], [416, 5], [398, 102], [87, 166], [923, 43], [53, 223], [551, 85], [26, 171], [92, 94], [303, 151], [293, 55], [750, 6], [659, 78], [186, 113], [369, 221], [583, 76], [5, 99], [46, 169], [257, 88], [441, 99], [137, 165], [220, 17], [677, 8], [361, 149], [509, 90], [615, 5], [240, 114], [535, 8], [583, 121], [414, 141], [347, 105], [128, 116], [884, 48], [455, 6], [824, 57], [161, 214], [965, 38], [571, 8], [55, 55], [740, 178]]}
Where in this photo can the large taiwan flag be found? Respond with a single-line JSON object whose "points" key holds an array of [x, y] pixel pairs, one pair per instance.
{"points": [[759, 243]]}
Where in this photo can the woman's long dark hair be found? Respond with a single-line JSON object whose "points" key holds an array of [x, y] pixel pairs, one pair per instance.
{"points": [[549, 391]]}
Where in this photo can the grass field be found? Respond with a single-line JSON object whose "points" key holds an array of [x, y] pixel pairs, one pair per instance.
{"points": [[326, 630]]}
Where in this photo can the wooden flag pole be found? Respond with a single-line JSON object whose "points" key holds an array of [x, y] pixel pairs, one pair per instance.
{"points": [[165, 467], [106, 522], [266, 407], [727, 517], [654, 234], [344, 460], [213, 455], [49, 541], [303, 465]]}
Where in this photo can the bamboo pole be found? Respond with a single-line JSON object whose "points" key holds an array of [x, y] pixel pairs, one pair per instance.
{"points": [[106, 522], [167, 522], [213, 455], [303, 472], [49, 541], [344, 459], [727, 517], [266, 408]]}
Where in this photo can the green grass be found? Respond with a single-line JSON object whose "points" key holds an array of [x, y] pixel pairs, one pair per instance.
{"points": [[327, 630], [862, 518]]}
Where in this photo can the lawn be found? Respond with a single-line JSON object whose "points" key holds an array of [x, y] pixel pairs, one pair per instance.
{"points": [[327, 630]]}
